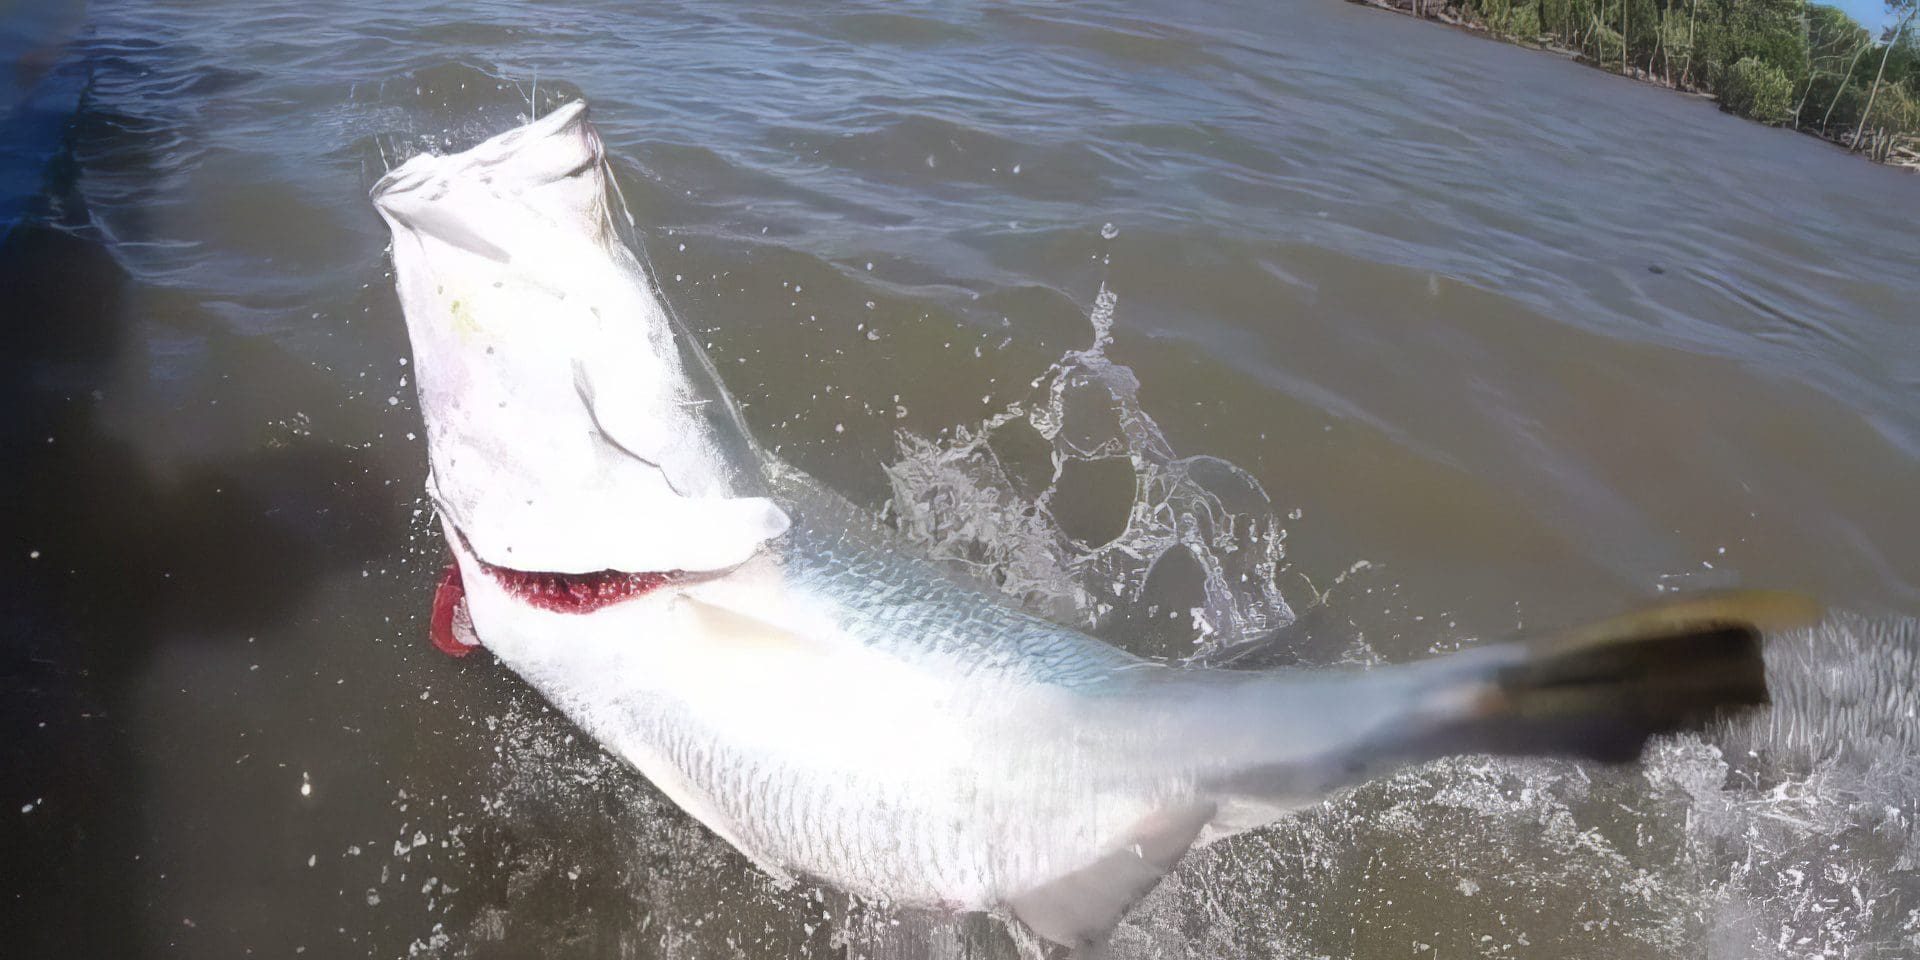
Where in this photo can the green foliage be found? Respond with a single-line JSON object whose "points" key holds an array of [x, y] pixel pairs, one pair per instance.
{"points": [[1643, 32], [1517, 20], [1901, 106], [1556, 17], [1770, 31], [1603, 44], [1831, 101], [1903, 65], [1777, 61], [1523, 23], [1832, 34], [1757, 89]]}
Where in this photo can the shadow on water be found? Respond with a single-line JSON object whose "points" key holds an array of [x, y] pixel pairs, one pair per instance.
{"points": [[109, 556]]}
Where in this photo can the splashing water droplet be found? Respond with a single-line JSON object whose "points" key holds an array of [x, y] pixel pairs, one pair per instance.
{"points": [[956, 496]]}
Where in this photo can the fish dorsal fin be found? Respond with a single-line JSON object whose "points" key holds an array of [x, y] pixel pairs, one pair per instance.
{"points": [[1081, 908]]}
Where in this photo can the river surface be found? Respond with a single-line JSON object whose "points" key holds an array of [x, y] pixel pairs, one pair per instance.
{"points": [[1466, 338]]}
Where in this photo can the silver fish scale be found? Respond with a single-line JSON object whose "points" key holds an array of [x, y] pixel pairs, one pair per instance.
{"points": [[901, 603], [1053, 743], [1029, 750], [1011, 806], [876, 837]]}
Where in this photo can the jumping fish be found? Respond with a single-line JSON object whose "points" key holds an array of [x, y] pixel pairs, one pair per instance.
{"points": [[796, 678]]}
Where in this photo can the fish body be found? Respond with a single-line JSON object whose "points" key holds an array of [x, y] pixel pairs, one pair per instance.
{"points": [[838, 708], [794, 676]]}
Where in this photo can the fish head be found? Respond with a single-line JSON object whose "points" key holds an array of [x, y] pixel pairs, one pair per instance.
{"points": [[548, 175], [571, 432]]}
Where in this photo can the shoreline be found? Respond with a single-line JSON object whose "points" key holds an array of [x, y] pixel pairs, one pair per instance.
{"points": [[1442, 12]]}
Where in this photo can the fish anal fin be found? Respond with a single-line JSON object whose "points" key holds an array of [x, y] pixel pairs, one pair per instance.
{"points": [[1081, 908]]}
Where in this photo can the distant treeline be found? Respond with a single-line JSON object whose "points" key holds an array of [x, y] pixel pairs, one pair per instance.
{"points": [[1787, 62]]}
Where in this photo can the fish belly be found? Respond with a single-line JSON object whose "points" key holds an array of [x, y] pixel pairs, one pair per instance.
{"points": [[856, 768]]}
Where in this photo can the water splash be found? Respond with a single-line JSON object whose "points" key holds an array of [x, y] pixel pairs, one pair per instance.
{"points": [[1787, 834], [440, 109], [1813, 850], [961, 499]]}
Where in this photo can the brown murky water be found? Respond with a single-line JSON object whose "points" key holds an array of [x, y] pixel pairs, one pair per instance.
{"points": [[1489, 338]]}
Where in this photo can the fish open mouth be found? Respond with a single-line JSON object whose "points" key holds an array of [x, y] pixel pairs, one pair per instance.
{"points": [[570, 592], [574, 592], [451, 627]]}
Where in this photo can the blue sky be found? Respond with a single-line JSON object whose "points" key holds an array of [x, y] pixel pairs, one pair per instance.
{"points": [[1872, 14]]}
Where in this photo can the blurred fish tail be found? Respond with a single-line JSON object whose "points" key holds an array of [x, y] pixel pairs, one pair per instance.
{"points": [[1601, 691]]}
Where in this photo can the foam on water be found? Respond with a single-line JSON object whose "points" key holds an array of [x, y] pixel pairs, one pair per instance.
{"points": [[958, 498]]}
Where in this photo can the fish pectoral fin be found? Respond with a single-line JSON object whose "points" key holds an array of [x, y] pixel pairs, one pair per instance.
{"points": [[624, 419], [1081, 908], [451, 230], [743, 632]]}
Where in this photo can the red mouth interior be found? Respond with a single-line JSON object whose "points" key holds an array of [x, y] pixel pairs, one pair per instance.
{"points": [[574, 592], [571, 592], [452, 632]]}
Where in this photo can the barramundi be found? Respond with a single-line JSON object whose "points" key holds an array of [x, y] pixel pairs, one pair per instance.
{"points": [[798, 678]]}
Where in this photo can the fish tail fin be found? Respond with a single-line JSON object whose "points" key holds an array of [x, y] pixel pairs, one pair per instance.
{"points": [[1602, 690]]}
